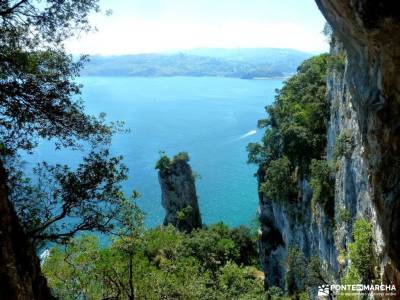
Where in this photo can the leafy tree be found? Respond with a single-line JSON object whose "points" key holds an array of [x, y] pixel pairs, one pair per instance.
{"points": [[295, 131], [64, 201], [318, 275], [322, 183], [279, 184], [295, 276], [40, 100], [78, 260], [344, 145], [236, 283], [36, 75], [246, 243], [344, 215], [164, 163], [300, 112], [351, 277], [166, 265], [361, 251]]}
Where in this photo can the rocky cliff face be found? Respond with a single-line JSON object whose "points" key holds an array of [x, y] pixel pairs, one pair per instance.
{"points": [[20, 275], [369, 31], [364, 114], [179, 193]]}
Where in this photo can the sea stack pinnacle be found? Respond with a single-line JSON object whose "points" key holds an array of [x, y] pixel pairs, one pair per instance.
{"points": [[178, 192]]}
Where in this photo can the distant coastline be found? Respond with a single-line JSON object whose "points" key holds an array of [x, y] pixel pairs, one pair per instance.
{"points": [[272, 78], [259, 64]]}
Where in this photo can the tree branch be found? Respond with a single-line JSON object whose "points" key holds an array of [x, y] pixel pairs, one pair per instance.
{"points": [[63, 214], [12, 8]]}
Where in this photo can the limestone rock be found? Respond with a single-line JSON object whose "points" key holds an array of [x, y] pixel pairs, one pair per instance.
{"points": [[365, 104], [178, 192], [369, 32]]}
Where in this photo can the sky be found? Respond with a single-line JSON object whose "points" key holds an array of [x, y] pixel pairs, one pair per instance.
{"points": [[148, 26]]}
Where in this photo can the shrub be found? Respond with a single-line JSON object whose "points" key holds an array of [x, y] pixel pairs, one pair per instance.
{"points": [[181, 156], [237, 283], [361, 251], [342, 257], [337, 61], [296, 128], [256, 153], [317, 273], [158, 263], [184, 212], [344, 215], [163, 164], [351, 277], [343, 145], [279, 184], [297, 121], [275, 292], [296, 264], [323, 186]]}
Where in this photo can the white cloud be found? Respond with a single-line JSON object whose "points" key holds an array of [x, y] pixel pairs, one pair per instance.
{"points": [[123, 35]]}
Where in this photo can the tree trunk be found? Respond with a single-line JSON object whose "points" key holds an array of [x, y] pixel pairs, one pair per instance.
{"points": [[20, 275]]}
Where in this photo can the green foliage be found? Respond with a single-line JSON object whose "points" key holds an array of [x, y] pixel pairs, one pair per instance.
{"points": [[304, 296], [304, 273], [298, 118], [268, 150], [300, 112], [342, 257], [361, 251], [74, 262], [362, 258], [256, 153], [237, 283], [159, 263], [295, 131], [219, 244], [40, 100], [181, 214], [279, 184], [351, 277], [296, 276], [343, 145], [246, 243], [323, 185], [275, 293], [344, 215], [337, 62], [64, 202], [181, 156], [317, 273], [164, 163]]}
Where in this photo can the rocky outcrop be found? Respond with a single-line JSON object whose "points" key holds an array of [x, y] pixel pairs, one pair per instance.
{"points": [[300, 224], [364, 101], [178, 193], [285, 226], [20, 276], [369, 32]]}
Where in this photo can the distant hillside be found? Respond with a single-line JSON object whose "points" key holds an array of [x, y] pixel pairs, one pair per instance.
{"points": [[239, 63]]}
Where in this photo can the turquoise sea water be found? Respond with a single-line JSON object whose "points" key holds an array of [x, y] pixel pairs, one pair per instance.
{"points": [[213, 119]]}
